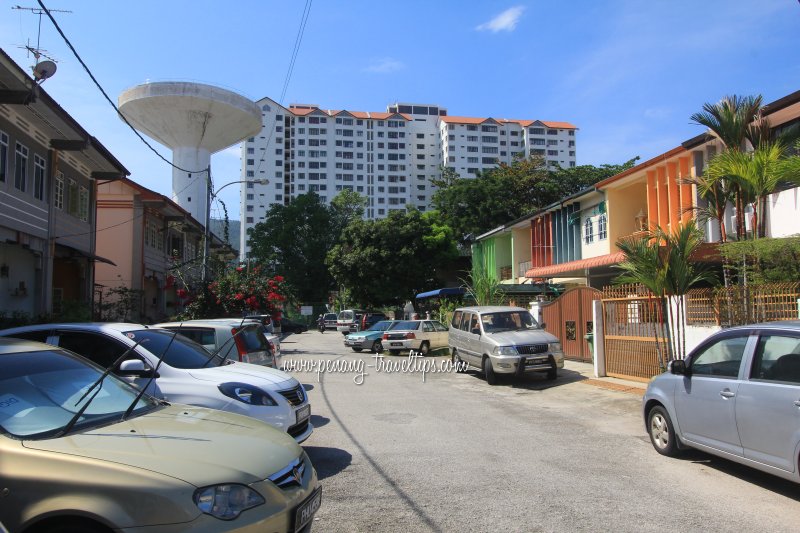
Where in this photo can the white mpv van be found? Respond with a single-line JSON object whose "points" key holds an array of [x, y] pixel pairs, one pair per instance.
{"points": [[503, 340]]}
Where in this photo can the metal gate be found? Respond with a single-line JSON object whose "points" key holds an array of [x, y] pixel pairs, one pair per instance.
{"points": [[632, 331], [569, 317]]}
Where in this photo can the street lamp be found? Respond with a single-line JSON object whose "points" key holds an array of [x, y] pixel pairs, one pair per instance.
{"points": [[207, 233]]}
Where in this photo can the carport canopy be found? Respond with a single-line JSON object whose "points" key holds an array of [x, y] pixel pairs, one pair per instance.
{"points": [[447, 291]]}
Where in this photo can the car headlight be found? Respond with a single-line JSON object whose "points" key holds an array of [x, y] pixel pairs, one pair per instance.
{"points": [[226, 502], [505, 350], [554, 346], [246, 394]]}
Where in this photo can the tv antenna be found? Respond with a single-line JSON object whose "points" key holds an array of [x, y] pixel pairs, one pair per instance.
{"points": [[42, 69]]}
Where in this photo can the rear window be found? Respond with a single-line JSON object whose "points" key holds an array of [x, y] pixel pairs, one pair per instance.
{"points": [[254, 339], [407, 325], [346, 315], [182, 353]]}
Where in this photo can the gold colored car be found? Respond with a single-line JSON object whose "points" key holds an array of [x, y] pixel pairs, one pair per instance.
{"points": [[82, 451]]}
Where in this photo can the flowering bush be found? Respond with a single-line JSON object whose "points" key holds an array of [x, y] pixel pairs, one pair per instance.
{"points": [[239, 291]]}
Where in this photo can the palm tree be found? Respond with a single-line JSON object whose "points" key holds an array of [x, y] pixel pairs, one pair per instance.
{"points": [[717, 194], [663, 263], [758, 174], [735, 119]]}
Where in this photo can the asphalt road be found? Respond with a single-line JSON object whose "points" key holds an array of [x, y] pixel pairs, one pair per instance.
{"points": [[451, 453]]}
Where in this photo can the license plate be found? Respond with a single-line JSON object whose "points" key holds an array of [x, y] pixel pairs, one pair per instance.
{"points": [[397, 344], [305, 512], [303, 413], [537, 361]]}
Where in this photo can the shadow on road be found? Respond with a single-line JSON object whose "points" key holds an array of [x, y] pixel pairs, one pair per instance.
{"points": [[328, 461], [536, 381], [778, 485], [319, 421]]}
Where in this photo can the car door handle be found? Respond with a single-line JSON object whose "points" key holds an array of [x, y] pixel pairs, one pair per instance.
{"points": [[727, 394]]}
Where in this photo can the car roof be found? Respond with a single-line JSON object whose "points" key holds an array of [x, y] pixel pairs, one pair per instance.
{"points": [[211, 322], [117, 327], [10, 346], [491, 308], [781, 324]]}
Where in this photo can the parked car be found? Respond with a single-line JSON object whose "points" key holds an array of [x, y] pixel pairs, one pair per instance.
{"points": [[273, 337], [369, 339], [266, 321], [290, 326], [330, 320], [82, 454], [188, 372], [736, 396], [419, 335], [503, 340], [348, 318], [367, 320], [237, 339]]}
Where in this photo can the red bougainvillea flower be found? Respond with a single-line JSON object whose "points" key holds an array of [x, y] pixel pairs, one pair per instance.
{"points": [[182, 293], [278, 278], [239, 296], [239, 269]]}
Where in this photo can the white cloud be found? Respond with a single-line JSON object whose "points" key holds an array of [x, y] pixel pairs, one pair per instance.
{"points": [[385, 66], [505, 21]]}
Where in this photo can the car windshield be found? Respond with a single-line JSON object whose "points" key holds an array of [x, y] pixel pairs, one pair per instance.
{"points": [[182, 353], [330, 316], [383, 325], [40, 392], [507, 321], [406, 325]]}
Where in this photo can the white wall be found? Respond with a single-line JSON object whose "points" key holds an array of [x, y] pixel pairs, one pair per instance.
{"points": [[783, 209]]}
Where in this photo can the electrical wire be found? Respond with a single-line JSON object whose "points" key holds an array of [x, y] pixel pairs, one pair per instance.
{"points": [[108, 99], [298, 40]]}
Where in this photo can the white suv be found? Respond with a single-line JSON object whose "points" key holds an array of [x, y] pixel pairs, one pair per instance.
{"points": [[503, 340], [179, 370]]}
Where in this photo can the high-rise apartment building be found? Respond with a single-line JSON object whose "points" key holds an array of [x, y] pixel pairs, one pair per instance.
{"points": [[388, 157]]}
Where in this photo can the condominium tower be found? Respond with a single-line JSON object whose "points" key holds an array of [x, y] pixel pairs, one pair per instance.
{"points": [[388, 157]]}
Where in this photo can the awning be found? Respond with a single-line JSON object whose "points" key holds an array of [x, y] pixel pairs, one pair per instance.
{"points": [[578, 267], [75, 252], [447, 291]]}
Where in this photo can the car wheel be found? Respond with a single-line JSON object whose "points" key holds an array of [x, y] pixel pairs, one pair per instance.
{"points": [[458, 364], [552, 374], [662, 434], [424, 348], [394, 352], [356, 349], [377, 347], [488, 371]]}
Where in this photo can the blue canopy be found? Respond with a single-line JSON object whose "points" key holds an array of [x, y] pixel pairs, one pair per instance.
{"points": [[447, 291]]}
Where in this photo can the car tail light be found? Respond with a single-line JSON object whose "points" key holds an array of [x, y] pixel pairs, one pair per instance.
{"points": [[241, 347], [386, 336], [410, 335]]}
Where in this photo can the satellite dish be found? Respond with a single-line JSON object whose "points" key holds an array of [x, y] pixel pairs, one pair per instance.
{"points": [[44, 70]]}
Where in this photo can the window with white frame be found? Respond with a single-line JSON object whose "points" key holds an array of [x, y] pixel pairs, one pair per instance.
{"points": [[83, 204], [3, 156], [72, 198], [588, 231], [38, 177], [602, 227], [21, 167], [58, 201]]}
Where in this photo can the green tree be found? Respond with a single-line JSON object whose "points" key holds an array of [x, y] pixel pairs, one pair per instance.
{"points": [[345, 207], [388, 261], [508, 192], [293, 241]]}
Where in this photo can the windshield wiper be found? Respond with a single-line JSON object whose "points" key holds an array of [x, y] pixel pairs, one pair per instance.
{"points": [[97, 384], [224, 344], [129, 410]]}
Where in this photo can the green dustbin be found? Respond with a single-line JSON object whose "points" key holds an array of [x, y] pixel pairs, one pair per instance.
{"points": [[590, 339]]}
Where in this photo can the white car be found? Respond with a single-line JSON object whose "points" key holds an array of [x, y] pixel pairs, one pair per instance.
{"points": [[187, 374], [419, 335]]}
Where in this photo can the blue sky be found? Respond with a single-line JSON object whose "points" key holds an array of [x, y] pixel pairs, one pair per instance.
{"points": [[627, 73]]}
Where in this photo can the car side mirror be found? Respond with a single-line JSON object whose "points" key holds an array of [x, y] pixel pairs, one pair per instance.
{"points": [[476, 331], [136, 368], [678, 367]]}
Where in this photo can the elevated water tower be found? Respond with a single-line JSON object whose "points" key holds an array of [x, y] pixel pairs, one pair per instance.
{"points": [[194, 120]]}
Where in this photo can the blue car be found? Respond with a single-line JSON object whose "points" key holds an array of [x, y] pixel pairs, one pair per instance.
{"points": [[370, 338]]}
